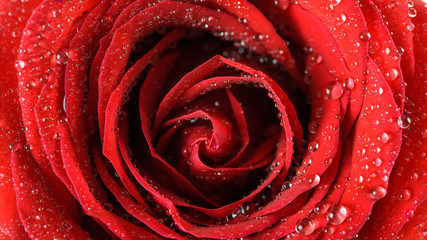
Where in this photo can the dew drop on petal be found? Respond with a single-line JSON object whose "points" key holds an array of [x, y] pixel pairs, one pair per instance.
{"points": [[364, 36], [305, 226], [314, 180], [404, 195], [392, 74], [108, 206], [330, 230], [19, 64], [377, 162], [308, 49], [312, 127], [410, 27], [335, 2], [400, 50], [321, 208], [348, 83], [378, 192], [404, 121], [286, 185], [313, 146], [342, 18], [412, 12], [334, 90], [62, 56], [415, 177], [338, 214], [385, 137]]}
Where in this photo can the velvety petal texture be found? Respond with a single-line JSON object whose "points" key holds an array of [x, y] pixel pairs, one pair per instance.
{"points": [[213, 119]]}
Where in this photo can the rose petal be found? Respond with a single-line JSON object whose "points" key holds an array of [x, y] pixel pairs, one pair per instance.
{"points": [[383, 51], [174, 14], [406, 190], [396, 14], [288, 220], [138, 211], [38, 210], [365, 179], [89, 203], [337, 18], [10, 223], [415, 228]]}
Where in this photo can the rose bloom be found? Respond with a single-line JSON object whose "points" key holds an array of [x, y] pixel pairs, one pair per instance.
{"points": [[213, 119]]}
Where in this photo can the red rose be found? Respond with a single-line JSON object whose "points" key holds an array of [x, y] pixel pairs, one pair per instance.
{"points": [[213, 119]]}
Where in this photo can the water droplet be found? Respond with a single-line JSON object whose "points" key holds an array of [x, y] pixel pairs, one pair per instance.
{"points": [[321, 208], [377, 162], [185, 152], [348, 83], [385, 137], [338, 214], [56, 135], [404, 195], [378, 192], [19, 64], [108, 206], [330, 230], [62, 56], [400, 50], [342, 18], [286, 185], [409, 105], [412, 12], [313, 146], [334, 90], [305, 226], [404, 121], [364, 36], [242, 20], [314, 180], [308, 49], [392, 74], [410, 27], [335, 2], [316, 58], [31, 84], [312, 127], [414, 177]]}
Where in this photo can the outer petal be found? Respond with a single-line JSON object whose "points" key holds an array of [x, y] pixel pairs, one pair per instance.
{"points": [[10, 128], [416, 227], [339, 18], [397, 15], [41, 215], [408, 182], [366, 180]]}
